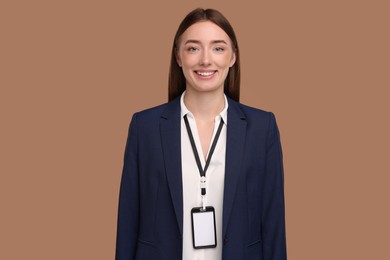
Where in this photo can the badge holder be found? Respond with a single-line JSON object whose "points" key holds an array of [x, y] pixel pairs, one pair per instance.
{"points": [[203, 227]]}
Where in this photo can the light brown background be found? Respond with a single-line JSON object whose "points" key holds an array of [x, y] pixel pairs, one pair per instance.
{"points": [[73, 73]]}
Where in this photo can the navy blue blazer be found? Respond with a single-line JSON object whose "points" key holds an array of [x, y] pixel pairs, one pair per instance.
{"points": [[150, 215]]}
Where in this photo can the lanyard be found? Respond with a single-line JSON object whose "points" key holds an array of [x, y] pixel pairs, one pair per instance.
{"points": [[202, 172]]}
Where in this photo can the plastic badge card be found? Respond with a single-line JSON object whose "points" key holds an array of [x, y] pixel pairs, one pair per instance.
{"points": [[203, 228]]}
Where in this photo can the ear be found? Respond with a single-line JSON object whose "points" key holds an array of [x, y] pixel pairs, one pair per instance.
{"points": [[178, 60], [233, 59]]}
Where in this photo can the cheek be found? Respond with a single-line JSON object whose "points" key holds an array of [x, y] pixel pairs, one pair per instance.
{"points": [[223, 61], [189, 60]]}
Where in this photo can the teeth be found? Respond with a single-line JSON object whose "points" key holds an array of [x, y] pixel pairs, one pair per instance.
{"points": [[205, 73]]}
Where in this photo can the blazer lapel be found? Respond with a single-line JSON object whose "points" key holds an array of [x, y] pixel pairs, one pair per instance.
{"points": [[236, 131], [171, 145]]}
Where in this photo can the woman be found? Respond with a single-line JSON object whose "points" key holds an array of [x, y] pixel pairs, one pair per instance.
{"points": [[203, 174]]}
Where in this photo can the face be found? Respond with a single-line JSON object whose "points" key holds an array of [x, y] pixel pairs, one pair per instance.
{"points": [[205, 54]]}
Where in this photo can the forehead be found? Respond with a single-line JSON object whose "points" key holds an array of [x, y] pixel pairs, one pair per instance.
{"points": [[204, 31]]}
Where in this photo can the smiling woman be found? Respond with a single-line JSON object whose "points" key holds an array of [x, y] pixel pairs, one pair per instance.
{"points": [[223, 29], [205, 53], [203, 174]]}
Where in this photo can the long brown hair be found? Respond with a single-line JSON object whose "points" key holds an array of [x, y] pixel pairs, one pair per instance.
{"points": [[177, 81]]}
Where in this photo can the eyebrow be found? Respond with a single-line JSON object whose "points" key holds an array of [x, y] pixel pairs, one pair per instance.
{"points": [[198, 42]]}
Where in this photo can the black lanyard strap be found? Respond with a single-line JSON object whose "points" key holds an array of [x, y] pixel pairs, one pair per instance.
{"points": [[202, 172]]}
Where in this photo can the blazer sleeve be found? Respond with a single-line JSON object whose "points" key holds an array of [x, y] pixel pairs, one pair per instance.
{"points": [[273, 212], [128, 210]]}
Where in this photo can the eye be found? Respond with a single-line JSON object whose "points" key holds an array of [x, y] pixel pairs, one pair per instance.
{"points": [[219, 49], [192, 49]]}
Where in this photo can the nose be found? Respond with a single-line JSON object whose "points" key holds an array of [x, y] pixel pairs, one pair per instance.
{"points": [[205, 59]]}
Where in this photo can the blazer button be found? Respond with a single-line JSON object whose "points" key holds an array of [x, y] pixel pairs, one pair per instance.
{"points": [[225, 240]]}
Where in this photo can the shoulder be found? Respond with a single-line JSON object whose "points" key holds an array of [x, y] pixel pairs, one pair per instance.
{"points": [[151, 116], [252, 111], [252, 114], [152, 112], [259, 122]]}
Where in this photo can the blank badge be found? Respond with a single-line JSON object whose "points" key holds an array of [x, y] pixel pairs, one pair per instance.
{"points": [[203, 228]]}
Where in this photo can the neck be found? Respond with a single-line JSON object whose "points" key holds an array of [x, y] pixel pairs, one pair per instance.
{"points": [[204, 106]]}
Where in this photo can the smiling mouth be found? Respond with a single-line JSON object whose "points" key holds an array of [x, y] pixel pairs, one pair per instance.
{"points": [[205, 73]]}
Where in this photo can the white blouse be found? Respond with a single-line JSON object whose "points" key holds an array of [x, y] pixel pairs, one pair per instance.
{"points": [[215, 176]]}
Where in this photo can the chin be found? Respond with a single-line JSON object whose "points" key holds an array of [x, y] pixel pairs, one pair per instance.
{"points": [[207, 89]]}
